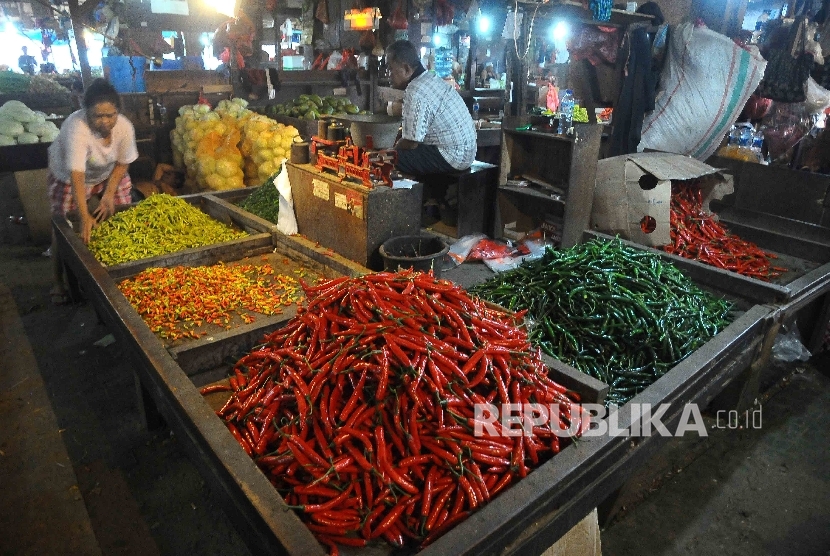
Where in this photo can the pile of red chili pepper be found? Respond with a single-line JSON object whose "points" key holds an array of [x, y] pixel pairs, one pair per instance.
{"points": [[175, 301], [361, 409], [697, 235]]}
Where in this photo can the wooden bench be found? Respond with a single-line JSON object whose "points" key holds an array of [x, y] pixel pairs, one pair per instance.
{"points": [[477, 187]]}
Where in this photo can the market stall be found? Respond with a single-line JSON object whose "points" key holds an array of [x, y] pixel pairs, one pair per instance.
{"points": [[331, 405], [558, 493]]}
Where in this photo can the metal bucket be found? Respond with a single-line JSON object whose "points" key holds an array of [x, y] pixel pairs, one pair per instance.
{"points": [[382, 128]]}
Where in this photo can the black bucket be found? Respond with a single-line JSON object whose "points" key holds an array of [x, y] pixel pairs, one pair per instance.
{"points": [[416, 252]]}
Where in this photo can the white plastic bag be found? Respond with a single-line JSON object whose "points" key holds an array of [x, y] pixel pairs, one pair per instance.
{"points": [[334, 60], [536, 248], [788, 347], [461, 249], [818, 98], [287, 221]]}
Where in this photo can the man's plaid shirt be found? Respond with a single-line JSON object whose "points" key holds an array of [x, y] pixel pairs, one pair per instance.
{"points": [[435, 114]]}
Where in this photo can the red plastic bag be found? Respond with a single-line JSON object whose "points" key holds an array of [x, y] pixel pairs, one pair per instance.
{"points": [[322, 12], [597, 44], [490, 249], [756, 108], [398, 20], [444, 12]]}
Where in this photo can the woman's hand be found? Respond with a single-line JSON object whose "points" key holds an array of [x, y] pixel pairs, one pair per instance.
{"points": [[87, 223], [106, 207]]}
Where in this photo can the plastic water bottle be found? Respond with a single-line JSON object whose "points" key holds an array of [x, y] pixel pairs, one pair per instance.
{"points": [[747, 133], [475, 110], [758, 144], [566, 112], [735, 137]]}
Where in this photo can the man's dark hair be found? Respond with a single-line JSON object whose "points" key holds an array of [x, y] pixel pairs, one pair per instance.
{"points": [[652, 9], [403, 52], [100, 91]]}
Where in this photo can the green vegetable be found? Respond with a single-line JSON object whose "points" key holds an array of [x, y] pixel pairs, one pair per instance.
{"points": [[11, 82], [616, 313], [265, 201], [580, 114], [158, 225]]}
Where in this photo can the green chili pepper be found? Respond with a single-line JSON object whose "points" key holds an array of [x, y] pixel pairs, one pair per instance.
{"points": [[614, 312], [158, 225], [264, 201]]}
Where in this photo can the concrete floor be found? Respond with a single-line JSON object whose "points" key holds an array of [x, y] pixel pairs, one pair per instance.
{"points": [[80, 475]]}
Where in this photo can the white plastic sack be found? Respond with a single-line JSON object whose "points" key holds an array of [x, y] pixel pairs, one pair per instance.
{"points": [[287, 221], [334, 60], [704, 86], [818, 98]]}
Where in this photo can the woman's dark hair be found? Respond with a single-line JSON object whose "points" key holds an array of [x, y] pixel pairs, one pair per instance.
{"points": [[100, 91], [403, 52], [652, 9]]}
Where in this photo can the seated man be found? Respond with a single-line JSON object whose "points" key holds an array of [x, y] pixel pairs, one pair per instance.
{"points": [[438, 133]]}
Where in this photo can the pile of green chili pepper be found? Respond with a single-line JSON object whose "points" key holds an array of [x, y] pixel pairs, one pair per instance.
{"points": [[264, 202], [158, 225], [175, 301], [614, 312]]}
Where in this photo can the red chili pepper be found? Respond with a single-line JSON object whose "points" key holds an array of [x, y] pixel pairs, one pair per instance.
{"points": [[389, 520], [239, 438], [411, 366]]}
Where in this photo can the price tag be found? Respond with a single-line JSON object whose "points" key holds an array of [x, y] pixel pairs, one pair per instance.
{"points": [[341, 201], [320, 189]]}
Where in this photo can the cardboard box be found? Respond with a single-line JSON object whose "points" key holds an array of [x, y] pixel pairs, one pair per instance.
{"points": [[631, 189]]}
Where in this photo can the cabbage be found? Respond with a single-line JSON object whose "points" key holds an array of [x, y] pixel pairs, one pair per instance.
{"points": [[38, 128], [5, 141], [49, 136], [40, 116], [23, 115], [12, 105], [10, 127], [27, 139]]}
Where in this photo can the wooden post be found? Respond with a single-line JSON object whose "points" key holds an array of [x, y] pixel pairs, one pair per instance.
{"points": [[256, 16], [76, 14], [469, 71]]}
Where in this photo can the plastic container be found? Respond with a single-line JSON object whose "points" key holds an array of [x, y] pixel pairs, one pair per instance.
{"points": [[475, 110], [126, 73], [416, 252], [566, 112]]}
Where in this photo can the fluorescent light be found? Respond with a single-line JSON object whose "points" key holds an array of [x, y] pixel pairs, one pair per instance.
{"points": [[484, 24], [224, 7], [561, 31], [436, 39]]}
